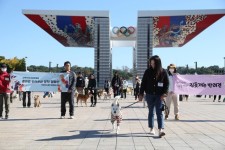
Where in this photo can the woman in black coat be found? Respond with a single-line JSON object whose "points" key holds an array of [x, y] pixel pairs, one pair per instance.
{"points": [[92, 89], [155, 84]]}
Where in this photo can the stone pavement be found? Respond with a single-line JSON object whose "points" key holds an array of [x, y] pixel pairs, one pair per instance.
{"points": [[202, 126]]}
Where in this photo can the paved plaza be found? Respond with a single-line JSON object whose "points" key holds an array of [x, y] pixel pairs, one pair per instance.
{"points": [[201, 126]]}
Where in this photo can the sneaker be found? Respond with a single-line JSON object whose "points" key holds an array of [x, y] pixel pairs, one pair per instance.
{"points": [[161, 133], [177, 117], [94, 105], [6, 116], [71, 117], [152, 131], [166, 117], [91, 105], [62, 117]]}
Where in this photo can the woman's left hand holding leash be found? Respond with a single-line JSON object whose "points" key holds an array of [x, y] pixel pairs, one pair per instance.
{"points": [[163, 97]]}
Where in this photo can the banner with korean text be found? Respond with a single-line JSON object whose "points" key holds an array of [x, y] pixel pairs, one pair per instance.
{"points": [[39, 81], [199, 84]]}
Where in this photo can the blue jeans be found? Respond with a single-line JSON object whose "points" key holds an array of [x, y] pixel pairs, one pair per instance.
{"points": [[154, 101]]}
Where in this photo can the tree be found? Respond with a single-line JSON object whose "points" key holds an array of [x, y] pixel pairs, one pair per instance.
{"points": [[14, 63], [1, 58]]}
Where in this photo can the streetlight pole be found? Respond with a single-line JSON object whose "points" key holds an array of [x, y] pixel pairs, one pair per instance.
{"points": [[26, 63], [187, 69], [224, 65], [50, 66], [196, 66], [57, 67]]}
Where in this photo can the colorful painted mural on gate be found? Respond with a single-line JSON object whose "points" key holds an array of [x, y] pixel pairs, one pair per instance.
{"points": [[169, 31], [175, 31], [71, 31]]}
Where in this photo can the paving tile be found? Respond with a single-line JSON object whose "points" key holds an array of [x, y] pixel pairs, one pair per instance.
{"points": [[201, 127]]}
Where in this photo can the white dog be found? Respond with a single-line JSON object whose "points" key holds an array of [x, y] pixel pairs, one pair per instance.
{"points": [[116, 114]]}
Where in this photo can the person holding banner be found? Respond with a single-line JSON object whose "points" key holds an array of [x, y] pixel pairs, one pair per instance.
{"points": [[155, 84], [4, 91], [214, 98], [28, 93], [171, 95], [69, 95]]}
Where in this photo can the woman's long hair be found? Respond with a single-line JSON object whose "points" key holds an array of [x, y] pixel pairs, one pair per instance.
{"points": [[158, 65]]}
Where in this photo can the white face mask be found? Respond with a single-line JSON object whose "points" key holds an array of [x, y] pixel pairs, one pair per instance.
{"points": [[4, 69], [171, 70]]}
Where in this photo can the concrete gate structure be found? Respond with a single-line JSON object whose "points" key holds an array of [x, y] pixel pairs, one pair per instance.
{"points": [[169, 28]]}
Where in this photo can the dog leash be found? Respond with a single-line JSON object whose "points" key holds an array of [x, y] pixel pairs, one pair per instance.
{"points": [[130, 105], [166, 108]]}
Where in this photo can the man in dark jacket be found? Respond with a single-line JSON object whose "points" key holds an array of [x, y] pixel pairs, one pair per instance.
{"points": [[80, 83], [69, 95], [116, 84], [4, 90], [93, 91]]}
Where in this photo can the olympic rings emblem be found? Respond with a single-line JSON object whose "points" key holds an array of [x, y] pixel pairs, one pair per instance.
{"points": [[123, 31]]}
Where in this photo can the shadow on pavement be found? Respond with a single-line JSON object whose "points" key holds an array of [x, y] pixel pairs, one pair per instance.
{"points": [[219, 103], [131, 119], [93, 134], [198, 121], [27, 119]]}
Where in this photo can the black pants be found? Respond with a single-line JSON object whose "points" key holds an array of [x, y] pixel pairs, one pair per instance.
{"points": [[94, 97], [124, 93], [137, 93], [86, 91], [116, 91], [4, 99], [65, 96], [219, 97], [28, 93]]}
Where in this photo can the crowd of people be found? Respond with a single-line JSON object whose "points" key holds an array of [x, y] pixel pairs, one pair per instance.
{"points": [[156, 88]]}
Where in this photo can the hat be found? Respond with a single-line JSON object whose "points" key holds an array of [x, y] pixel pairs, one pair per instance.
{"points": [[3, 66], [172, 66]]}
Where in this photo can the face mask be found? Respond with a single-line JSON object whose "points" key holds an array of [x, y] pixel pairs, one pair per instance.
{"points": [[4, 69], [171, 70]]}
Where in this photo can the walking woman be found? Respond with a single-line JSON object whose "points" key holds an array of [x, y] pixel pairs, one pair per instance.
{"points": [[92, 88], [137, 87], [172, 97], [116, 84], [155, 84]]}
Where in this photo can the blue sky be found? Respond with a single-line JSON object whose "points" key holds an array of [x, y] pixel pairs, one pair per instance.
{"points": [[22, 38]]}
